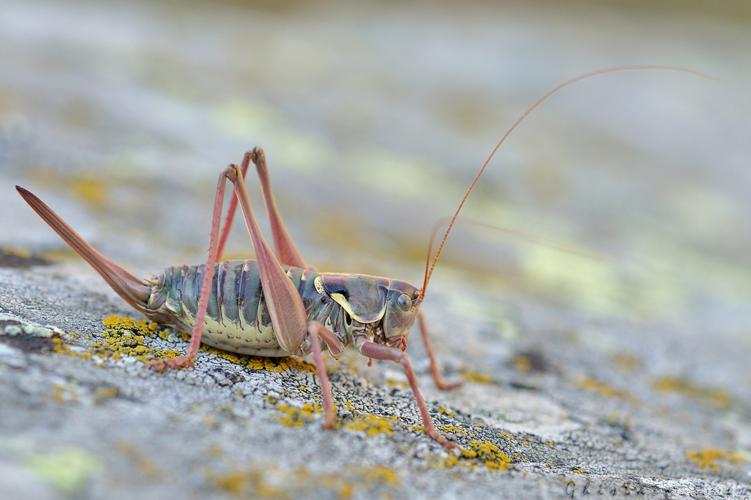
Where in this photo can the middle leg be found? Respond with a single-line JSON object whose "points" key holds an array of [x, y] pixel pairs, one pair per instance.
{"points": [[435, 371], [380, 351]]}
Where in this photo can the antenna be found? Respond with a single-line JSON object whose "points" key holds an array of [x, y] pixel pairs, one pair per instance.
{"points": [[430, 267]]}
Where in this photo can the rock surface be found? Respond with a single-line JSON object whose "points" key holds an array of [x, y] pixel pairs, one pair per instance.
{"points": [[549, 415], [607, 357]]}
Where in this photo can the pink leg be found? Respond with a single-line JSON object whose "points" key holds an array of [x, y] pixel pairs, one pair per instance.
{"points": [[434, 370], [288, 316], [203, 301], [286, 249], [232, 209], [380, 351], [285, 245], [316, 331]]}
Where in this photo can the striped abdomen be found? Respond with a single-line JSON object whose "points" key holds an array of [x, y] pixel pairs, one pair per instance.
{"points": [[237, 319]]}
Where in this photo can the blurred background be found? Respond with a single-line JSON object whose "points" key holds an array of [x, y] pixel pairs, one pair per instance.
{"points": [[375, 117]]}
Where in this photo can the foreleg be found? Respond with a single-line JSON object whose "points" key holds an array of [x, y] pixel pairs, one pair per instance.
{"points": [[380, 351], [435, 371]]}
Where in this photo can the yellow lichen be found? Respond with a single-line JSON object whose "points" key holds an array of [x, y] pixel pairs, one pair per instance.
{"points": [[245, 483], [711, 396], [445, 411], [522, 363], [278, 365], [712, 458], [479, 378], [488, 454], [603, 389], [397, 383], [479, 453], [64, 395], [126, 337], [626, 362], [372, 425], [102, 394], [16, 252], [123, 336], [296, 417], [92, 191], [382, 474], [145, 465], [453, 429]]}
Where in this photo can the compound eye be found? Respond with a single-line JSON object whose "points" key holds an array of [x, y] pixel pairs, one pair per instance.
{"points": [[404, 302]]}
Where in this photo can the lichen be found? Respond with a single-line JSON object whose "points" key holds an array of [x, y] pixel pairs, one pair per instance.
{"points": [[454, 429], [127, 337], [626, 362], [64, 395], [68, 469], [20, 258], [297, 417], [711, 396], [89, 189], [522, 363], [442, 410], [255, 363], [603, 389], [269, 481], [480, 453], [712, 458], [245, 483], [479, 378], [145, 465], [372, 425]]}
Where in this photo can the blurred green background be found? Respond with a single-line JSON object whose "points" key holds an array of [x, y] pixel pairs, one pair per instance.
{"points": [[374, 118]]}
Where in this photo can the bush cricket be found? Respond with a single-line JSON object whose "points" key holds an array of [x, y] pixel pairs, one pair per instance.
{"points": [[277, 305]]}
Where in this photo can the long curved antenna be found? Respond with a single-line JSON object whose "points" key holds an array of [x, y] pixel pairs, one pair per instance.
{"points": [[516, 233], [430, 267]]}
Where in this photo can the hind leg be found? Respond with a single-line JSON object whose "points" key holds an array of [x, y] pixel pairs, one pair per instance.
{"points": [[286, 249], [208, 276]]}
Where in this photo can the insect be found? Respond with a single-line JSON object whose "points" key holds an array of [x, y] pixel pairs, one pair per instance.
{"points": [[278, 305]]}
